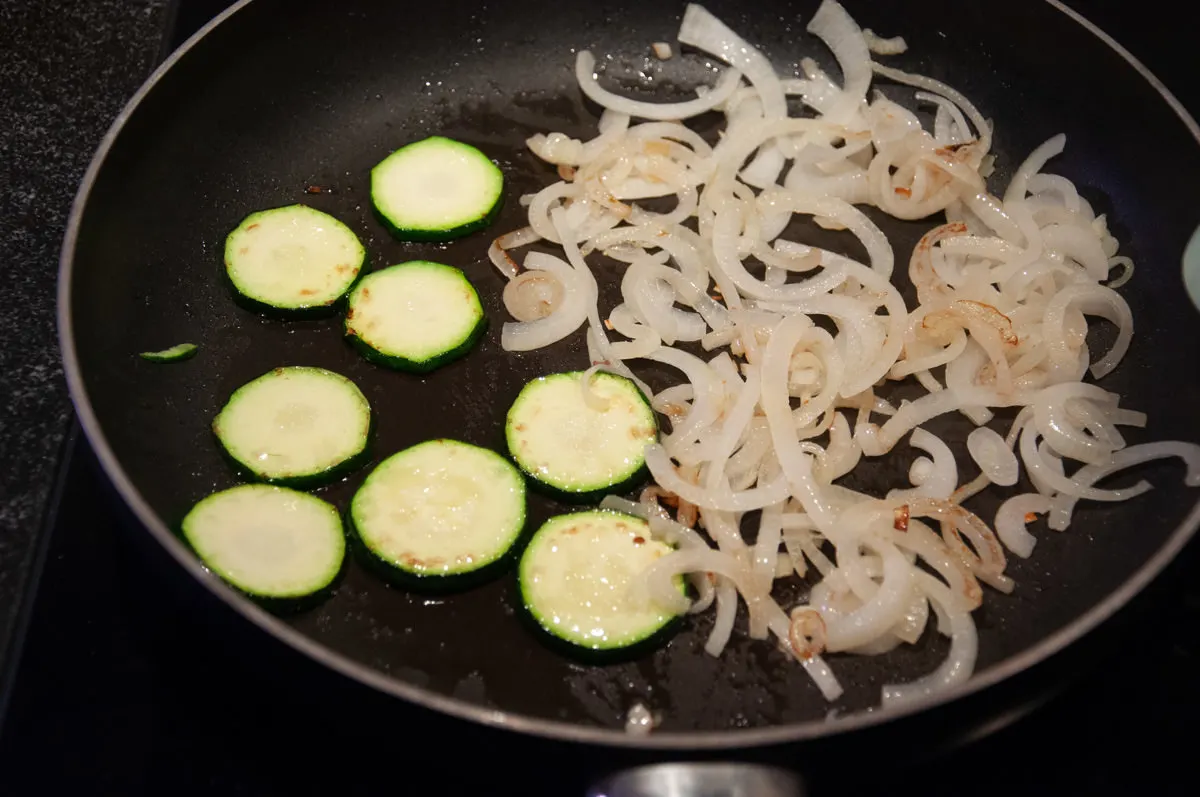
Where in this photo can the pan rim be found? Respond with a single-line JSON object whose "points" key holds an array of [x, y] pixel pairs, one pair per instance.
{"points": [[532, 726]]}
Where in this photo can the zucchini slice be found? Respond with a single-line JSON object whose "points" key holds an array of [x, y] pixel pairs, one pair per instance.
{"points": [[294, 260], [440, 508], [177, 353], [415, 316], [296, 426], [578, 580], [272, 543], [436, 189], [574, 448]]}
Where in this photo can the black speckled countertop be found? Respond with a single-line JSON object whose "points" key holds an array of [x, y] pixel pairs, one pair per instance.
{"points": [[66, 69]]}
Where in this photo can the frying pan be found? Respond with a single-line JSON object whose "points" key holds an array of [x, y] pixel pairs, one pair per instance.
{"points": [[284, 101]]}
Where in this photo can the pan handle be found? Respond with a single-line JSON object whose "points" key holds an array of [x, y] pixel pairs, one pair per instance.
{"points": [[1191, 268], [701, 779]]}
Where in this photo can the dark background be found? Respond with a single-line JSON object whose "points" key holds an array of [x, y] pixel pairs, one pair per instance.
{"points": [[118, 693]]}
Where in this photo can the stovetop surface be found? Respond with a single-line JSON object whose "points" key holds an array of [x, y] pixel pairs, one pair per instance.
{"points": [[117, 692]]}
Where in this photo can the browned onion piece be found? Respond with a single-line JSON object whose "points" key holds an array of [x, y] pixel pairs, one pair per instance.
{"points": [[806, 632], [929, 285], [987, 561], [532, 295], [990, 328]]}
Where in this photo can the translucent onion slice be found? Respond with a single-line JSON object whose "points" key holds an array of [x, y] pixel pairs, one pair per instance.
{"points": [[498, 251], [941, 477], [845, 39], [881, 45], [993, 456], [964, 647], [704, 31], [1050, 477], [532, 295], [1064, 503], [569, 315], [1013, 516]]}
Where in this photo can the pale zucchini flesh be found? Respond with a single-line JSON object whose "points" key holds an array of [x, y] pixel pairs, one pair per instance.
{"points": [[293, 259], [573, 447], [579, 580], [295, 425], [440, 508], [415, 316], [268, 542], [436, 189]]}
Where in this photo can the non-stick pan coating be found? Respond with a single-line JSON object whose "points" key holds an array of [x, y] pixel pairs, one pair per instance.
{"points": [[284, 96]]}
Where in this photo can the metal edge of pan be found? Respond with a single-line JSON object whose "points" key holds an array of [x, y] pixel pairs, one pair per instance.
{"points": [[552, 729]]}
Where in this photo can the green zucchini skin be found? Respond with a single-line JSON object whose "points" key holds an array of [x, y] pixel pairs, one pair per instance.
{"points": [[437, 236], [602, 657], [288, 607], [308, 482], [280, 607], [174, 354], [588, 498], [632, 483], [408, 581], [314, 313], [397, 363], [577, 495]]}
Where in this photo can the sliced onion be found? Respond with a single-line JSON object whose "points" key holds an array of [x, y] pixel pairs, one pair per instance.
{"points": [[1017, 187], [1053, 479], [590, 397], [845, 39], [1092, 299], [876, 441], [721, 446], [585, 64], [532, 295], [964, 647], [993, 456], [498, 251], [982, 130], [1006, 290], [722, 628], [1054, 421], [942, 476], [706, 388], [883, 611], [1012, 517], [659, 463], [568, 316], [884, 46], [1064, 503], [985, 557], [932, 549], [764, 556], [704, 31]]}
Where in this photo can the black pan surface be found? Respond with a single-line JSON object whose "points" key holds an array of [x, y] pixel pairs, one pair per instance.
{"points": [[282, 98]]}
